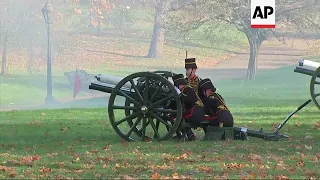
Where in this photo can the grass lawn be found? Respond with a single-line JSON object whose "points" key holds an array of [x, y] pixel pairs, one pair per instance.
{"points": [[80, 143]]}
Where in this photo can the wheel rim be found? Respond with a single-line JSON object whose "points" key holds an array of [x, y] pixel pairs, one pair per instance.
{"points": [[147, 108], [128, 112], [165, 74], [315, 81]]}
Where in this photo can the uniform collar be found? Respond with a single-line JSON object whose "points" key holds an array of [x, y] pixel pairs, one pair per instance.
{"points": [[183, 88], [210, 94], [193, 78]]}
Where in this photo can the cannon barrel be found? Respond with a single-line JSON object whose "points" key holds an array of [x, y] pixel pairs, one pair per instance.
{"points": [[107, 88], [112, 80], [307, 67]]}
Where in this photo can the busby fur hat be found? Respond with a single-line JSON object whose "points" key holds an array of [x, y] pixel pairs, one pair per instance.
{"points": [[206, 84], [190, 63], [179, 80]]}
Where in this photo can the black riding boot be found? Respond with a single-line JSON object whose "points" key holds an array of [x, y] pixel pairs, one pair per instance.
{"points": [[183, 136], [178, 135], [190, 134]]}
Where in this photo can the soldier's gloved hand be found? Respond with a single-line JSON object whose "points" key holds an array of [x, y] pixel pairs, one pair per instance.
{"points": [[178, 90]]}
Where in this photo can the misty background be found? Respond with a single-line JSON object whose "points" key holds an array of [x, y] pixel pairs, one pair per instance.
{"points": [[120, 37]]}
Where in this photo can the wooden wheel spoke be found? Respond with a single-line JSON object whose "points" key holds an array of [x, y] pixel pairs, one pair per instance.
{"points": [[156, 92], [155, 129], [161, 101], [143, 128], [124, 107], [128, 97], [146, 89], [136, 90], [160, 119], [316, 95], [316, 82], [130, 117], [147, 124], [133, 126], [157, 125], [165, 110]]}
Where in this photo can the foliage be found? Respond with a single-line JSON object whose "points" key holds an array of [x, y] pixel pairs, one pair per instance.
{"points": [[96, 11], [121, 17]]}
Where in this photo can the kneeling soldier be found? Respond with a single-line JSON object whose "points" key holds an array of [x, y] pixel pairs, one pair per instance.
{"points": [[214, 105], [193, 107]]}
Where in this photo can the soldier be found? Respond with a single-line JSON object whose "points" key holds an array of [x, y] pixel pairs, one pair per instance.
{"points": [[214, 105], [192, 105], [191, 77]]}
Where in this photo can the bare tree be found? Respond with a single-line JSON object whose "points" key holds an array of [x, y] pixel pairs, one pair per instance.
{"points": [[8, 26], [157, 40], [21, 26], [160, 9], [298, 16]]}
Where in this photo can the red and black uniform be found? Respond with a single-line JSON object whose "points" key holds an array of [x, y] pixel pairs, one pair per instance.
{"points": [[190, 63], [216, 109], [214, 105], [193, 111], [194, 82], [193, 107]]}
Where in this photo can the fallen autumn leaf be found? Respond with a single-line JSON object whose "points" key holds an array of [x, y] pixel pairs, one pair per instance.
{"points": [[155, 176]]}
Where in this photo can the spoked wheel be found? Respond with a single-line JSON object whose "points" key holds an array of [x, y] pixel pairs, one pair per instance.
{"points": [[314, 87], [144, 113], [165, 74]]}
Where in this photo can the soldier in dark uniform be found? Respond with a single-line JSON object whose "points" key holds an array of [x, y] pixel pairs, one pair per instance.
{"points": [[193, 108], [214, 105], [191, 77]]}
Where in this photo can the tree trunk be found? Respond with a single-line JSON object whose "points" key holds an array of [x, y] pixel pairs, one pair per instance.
{"points": [[157, 41], [255, 44], [4, 57]]}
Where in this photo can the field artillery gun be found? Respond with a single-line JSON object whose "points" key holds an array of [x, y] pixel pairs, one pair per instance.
{"points": [[148, 104], [311, 68], [150, 108], [306, 67]]}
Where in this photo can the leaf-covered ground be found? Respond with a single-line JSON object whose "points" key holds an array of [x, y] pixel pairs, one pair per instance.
{"points": [[80, 143]]}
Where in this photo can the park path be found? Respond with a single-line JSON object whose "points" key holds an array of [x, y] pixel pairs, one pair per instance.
{"points": [[273, 54]]}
